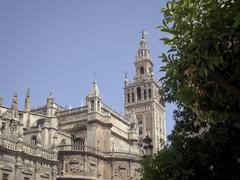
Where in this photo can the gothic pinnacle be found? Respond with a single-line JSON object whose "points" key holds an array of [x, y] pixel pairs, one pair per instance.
{"points": [[27, 100]]}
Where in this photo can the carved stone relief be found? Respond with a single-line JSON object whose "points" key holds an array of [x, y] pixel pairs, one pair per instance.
{"points": [[45, 175], [59, 168], [27, 171], [91, 166], [121, 170], [74, 165], [135, 171], [7, 168]]}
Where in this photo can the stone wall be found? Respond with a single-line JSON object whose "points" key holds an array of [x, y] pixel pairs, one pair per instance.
{"points": [[97, 165], [19, 160]]}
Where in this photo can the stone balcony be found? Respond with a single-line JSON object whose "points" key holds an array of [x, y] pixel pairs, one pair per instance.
{"points": [[119, 154], [11, 142]]}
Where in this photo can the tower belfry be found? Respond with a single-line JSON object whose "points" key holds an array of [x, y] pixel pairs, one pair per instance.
{"points": [[144, 97]]}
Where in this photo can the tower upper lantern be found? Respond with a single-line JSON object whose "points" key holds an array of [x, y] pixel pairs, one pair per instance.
{"points": [[143, 62], [143, 51]]}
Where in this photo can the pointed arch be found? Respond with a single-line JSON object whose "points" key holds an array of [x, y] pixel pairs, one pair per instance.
{"points": [[139, 93]]}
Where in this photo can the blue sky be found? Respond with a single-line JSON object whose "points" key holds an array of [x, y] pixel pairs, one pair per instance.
{"points": [[57, 46]]}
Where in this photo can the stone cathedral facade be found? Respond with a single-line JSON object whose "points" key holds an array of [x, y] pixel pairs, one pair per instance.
{"points": [[89, 142]]}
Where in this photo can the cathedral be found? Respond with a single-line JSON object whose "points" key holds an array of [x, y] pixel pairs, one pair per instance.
{"points": [[90, 142]]}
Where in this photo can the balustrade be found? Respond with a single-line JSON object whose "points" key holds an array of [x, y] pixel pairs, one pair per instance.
{"points": [[11, 142], [105, 154]]}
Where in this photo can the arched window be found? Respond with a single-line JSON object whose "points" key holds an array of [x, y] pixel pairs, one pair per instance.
{"points": [[92, 106], [34, 140], [141, 70], [149, 93], [98, 105], [139, 95], [40, 122], [78, 144], [133, 99], [128, 98], [63, 142], [145, 94]]}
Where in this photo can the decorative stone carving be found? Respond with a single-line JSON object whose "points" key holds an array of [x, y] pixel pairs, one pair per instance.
{"points": [[27, 171], [121, 170], [14, 106], [45, 175], [59, 168], [135, 171], [7, 115], [91, 167], [54, 171], [7, 168], [74, 165]]}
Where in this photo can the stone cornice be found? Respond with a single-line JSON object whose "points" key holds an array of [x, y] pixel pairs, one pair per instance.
{"points": [[108, 124]]}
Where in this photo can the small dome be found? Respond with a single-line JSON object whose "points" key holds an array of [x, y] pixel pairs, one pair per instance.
{"points": [[94, 91]]}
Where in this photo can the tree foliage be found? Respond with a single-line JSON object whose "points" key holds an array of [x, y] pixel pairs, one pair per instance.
{"points": [[203, 64], [194, 154], [202, 75]]}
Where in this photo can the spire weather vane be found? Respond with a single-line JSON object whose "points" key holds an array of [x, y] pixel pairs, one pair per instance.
{"points": [[95, 76], [144, 33]]}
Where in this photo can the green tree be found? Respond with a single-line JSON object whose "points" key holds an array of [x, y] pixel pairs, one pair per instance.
{"points": [[202, 74], [194, 154], [202, 68]]}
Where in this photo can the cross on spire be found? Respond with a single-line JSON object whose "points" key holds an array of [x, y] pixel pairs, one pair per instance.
{"points": [[144, 34], [125, 75]]}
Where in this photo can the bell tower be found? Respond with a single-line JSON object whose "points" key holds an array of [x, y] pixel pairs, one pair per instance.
{"points": [[144, 97]]}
